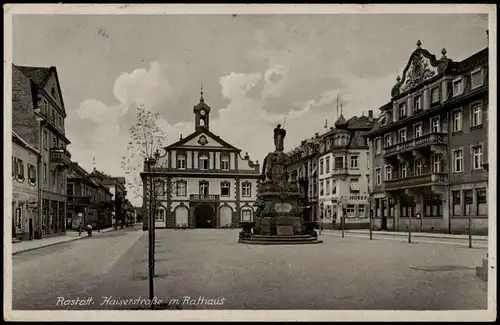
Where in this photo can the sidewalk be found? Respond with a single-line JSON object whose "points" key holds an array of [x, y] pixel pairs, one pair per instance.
{"points": [[366, 232], [71, 235]]}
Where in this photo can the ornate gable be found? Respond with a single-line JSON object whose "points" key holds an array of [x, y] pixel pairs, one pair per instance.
{"points": [[421, 66]]}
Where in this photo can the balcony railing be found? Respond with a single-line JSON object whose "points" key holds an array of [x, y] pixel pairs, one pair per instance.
{"points": [[60, 156], [416, 143], [416, 181], [204, 197], [339, 171]]}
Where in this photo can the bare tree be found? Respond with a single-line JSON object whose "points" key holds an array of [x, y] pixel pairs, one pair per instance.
{"points": [[143, 152]]}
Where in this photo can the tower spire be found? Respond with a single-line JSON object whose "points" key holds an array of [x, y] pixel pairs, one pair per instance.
{"points": [[201, 92], [93, 162]]}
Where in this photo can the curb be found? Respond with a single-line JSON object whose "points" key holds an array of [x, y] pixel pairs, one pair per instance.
{"points": [[53, 244]]}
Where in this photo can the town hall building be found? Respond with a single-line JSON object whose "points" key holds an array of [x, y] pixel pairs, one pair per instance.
{"points": [[206, 182]]}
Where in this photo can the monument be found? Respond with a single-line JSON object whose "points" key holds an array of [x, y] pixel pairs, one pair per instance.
{"points": [[281, 214]]}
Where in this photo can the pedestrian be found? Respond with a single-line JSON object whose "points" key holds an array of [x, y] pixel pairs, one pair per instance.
{"points": [[89, 230], [80, 229]]}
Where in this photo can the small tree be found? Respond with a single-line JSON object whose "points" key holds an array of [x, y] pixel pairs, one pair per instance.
{"points": [[143, 151]]}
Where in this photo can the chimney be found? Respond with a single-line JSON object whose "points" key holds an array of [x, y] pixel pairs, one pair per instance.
{"points": [[370, 113], [316, 135]]}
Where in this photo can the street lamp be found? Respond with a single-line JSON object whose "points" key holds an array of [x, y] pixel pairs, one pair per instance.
{"points": [[151, 234], [370, 200]]}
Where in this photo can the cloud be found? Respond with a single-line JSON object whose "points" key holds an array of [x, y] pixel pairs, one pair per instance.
{"points": [[142, 87]]}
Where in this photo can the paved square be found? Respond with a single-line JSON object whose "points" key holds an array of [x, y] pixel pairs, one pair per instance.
{"points": [[342, 273]]}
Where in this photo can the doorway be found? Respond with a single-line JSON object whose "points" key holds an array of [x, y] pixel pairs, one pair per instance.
{"points": [[30, 228], [204, 216]]}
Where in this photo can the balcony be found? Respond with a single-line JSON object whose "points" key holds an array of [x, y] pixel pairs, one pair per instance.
{"points": [[340, 171], [60, 157], [416, 143], [417, 181], [204, 197]]}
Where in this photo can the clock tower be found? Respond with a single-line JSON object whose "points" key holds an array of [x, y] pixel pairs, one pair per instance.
{"points": [[202, 114]]}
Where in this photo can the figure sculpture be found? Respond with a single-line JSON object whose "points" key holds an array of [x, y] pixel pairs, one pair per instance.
{"points": [[279, 137]]}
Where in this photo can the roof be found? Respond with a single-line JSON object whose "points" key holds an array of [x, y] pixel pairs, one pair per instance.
{"points": [[24, 143], [40, 76], [341, 122], [362, 122], [201, 131]]}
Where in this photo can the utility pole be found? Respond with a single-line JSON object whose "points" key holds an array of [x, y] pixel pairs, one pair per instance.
{"points": [[150, 234], [409, 227], [371, 217]]}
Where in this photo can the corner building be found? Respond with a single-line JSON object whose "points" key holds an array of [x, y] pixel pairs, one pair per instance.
{"points": [[206, 183], [429, 146]]}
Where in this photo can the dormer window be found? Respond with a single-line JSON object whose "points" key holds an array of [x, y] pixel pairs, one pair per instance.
{"points": [[53, 92], [476, 78], [458, 87]]}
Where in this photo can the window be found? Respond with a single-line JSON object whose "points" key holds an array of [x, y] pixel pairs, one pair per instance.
{"points": [[53, 117], [378, 147], [321, 167], [435, 95], [181, 188], [388, 173], [224, 188], [457, 87], [53, 177], [31, 174], [402, 110], [181, 162], [436, 164], [482, 207], [60, 122], [203, 162], [354, 185], [417, 107], [361, 210], [435, 125], [327, 187], [402, 135], [203, 187], [458, 160], [476, 115], [54, 142], [418, 130], [354, 161], [160, 215], [224, 162], [403, 167], [455, 196], [476, 78], [70, 189], [19, 169], [321, 191], [327, 165], [246, 215], [387, 140], [477, 157], [457, 121], [350, 210], [246, 189], [334, 186], [419, 167], [339, 162], [378, 176], [45, 140]]}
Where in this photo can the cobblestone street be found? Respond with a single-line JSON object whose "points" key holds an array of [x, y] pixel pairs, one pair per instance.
{"points": [[342, 273]]}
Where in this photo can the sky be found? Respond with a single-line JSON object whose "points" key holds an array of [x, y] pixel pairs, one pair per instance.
{"points": [[256, 70]]}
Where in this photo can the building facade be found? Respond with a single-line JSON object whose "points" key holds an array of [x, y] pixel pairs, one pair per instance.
{"points": [[25, 188], [89, 201], [344, 172], [429, 147], [202, 181], [116, 186], [38, 116]]}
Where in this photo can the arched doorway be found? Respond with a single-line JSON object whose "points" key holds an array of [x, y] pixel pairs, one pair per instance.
{"points": [[204, 216]]}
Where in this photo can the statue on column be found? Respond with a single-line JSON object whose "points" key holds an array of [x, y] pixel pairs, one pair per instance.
{"points": [[279, 137]]}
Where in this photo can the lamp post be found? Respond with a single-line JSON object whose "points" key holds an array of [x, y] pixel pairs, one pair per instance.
{"points": [[151, 234], [470, 226], [370, 214], [342, 217], [322, 208]]}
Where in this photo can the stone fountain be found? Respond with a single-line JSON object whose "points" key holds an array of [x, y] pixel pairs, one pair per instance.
{"points": [[280, 215]]}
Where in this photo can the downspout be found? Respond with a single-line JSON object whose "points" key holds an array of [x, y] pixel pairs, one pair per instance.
{"points": [[40, 182]]}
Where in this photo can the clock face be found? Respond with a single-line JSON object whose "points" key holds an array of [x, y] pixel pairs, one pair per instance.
{"points": [[202, 113]]}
